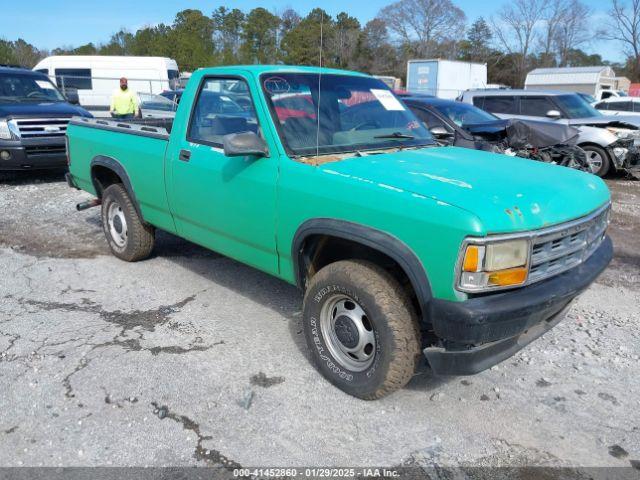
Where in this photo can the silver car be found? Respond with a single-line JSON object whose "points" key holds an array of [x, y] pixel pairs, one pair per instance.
{"points": [[620, 106], [607, 140]]}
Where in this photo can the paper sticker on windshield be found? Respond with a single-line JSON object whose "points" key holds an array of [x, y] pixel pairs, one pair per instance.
{"points": [[275, 85], [44, 84], [386, 98]]}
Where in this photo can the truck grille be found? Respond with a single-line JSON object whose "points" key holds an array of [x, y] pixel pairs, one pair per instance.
{"points": [[41, 127], [566, 246], [45, 150]]}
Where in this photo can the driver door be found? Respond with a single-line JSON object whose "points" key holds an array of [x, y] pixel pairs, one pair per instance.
{"points": [[227, 204]]}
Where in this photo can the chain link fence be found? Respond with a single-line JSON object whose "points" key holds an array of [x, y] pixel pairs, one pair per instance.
{"points": [[94, 93]]}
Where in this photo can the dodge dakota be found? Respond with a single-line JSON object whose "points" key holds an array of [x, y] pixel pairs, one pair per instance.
{"points": [[403, 248]]}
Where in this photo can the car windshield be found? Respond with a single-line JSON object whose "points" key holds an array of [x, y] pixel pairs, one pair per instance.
{"points": [[587, 97], [463, 114], [576, 107], [27, 88], [156, 102], [332, 114]]}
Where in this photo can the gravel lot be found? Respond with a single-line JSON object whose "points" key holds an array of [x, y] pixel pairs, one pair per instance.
{"points": [[190, 358]]}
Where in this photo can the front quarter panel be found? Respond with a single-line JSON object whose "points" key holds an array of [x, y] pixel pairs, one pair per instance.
{"points": [[431, 229], [596, 135]]}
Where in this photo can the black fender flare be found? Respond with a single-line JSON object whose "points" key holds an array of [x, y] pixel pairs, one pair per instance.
{"points": [[370, 237], [116, 167]]}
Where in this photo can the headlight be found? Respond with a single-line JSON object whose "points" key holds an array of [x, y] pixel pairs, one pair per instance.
{"points": [[624, 133], [5, 133], [489, 265], [620, 152]]}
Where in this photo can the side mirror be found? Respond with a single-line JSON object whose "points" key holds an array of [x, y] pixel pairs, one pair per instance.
{"points": [[244, 144], [554, 114], [441, 132], [72, 96]]}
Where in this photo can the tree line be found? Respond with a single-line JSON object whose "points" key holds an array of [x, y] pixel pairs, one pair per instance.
{"points": [[520, 36]]}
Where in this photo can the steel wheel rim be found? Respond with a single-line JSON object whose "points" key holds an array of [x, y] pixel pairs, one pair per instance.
{"points": [[348, 333], [594, 160], [117, 224]]}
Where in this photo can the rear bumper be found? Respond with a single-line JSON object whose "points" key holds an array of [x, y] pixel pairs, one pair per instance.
{"points": [[33, 155], [487, 330]]}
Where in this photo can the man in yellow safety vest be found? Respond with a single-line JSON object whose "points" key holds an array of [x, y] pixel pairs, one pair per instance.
{"points": [[124, 102]]}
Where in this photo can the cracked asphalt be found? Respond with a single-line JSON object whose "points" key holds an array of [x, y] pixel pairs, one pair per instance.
{"points": [[192, 359]]}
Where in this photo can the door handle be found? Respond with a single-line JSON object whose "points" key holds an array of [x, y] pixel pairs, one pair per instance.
{"points": [[185, 155]]}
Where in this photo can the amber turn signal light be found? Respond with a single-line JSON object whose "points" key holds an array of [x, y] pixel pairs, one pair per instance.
{"points": [[512, 276]]}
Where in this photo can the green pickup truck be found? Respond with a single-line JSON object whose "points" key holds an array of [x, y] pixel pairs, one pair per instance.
{"points": [[324, 179]]}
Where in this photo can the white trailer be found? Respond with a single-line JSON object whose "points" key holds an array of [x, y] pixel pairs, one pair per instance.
{"points": [[600, 81], [95, 77], [445, 78]]}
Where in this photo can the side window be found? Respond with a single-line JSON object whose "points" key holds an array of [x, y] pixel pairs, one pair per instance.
{"points": [[602, 106], [620, 106], [216, 114], [536, 106], [430, 120], [478, 102], [606, 95], [78, 78], [500, 104]]}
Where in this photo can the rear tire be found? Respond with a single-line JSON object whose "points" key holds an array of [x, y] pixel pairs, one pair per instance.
{"points": [[128, 237], [597, 159], [361, 329]]}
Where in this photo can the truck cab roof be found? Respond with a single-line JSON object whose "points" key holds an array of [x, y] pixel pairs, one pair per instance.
{"points": [[260, 69]]}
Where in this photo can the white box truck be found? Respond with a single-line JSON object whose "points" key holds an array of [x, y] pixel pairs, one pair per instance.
{"points": [[444, 78]]}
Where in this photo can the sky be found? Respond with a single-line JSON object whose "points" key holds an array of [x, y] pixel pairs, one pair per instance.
{"points": [[48, 24]]}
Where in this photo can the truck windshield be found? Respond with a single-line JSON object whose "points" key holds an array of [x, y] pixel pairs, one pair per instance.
{"points": [[463, 114], [576, 107], [27, 88], [332, 113]]}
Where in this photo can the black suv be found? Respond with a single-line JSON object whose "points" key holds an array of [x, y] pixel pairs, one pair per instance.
{"points": [[33, 120]]}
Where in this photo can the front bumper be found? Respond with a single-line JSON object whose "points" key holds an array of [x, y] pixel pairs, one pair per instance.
{"points": [[483, 331], [33, 154], [625, 154]]}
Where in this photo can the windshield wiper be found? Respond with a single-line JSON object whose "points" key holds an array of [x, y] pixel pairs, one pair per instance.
{"points": [[402, 136]]}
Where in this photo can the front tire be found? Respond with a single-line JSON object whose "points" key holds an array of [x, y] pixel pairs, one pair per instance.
{"points": [[597, 160], [128, 237], [361, 329]]}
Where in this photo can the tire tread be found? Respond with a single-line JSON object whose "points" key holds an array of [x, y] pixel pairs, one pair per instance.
{"points": [[141, 237]]}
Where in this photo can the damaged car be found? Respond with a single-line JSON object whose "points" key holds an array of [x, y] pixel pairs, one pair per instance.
{"points": [[463, 125], [611, 142]]}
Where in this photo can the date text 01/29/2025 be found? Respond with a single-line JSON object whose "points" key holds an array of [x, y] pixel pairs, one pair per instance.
{"points": [[316, 472]]}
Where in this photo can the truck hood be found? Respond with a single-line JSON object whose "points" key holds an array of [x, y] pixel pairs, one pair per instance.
{"points": [[507, 194], [40, 110]]}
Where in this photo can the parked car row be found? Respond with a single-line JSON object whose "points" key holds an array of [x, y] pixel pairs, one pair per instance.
{"points": [[609, 140], [459, 124], [595, 142]]}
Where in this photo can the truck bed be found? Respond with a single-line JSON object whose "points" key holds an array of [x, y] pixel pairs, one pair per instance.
{"points": [[135, 148]]}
